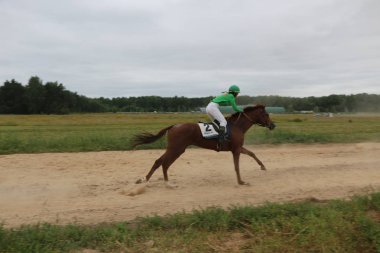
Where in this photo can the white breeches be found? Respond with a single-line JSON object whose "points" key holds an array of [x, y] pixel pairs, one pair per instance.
{"points": [[213, 112]]}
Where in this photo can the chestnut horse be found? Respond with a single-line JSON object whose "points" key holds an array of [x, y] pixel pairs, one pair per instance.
{"points": [[180, 136]]}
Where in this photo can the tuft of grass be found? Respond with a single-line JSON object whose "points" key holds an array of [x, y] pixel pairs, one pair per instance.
{"points": [[334, 226]]}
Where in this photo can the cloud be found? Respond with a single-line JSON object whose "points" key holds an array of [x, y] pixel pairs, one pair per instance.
{"points": [[194, 48]]}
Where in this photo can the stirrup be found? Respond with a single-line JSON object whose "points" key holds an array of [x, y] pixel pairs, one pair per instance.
{"points": [[221, 141], [219, 146], [222, 137]]}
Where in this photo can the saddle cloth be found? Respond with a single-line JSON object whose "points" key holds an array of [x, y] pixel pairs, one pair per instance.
{"points": [[208, 130], [211, 131]]}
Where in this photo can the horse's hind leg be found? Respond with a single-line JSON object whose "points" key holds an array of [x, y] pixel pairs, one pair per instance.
{"points": [[170, 157], [155, 166], [165, 160]]}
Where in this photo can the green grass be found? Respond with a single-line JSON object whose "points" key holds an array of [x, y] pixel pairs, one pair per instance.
{"points": [[311, 129], [95, 132], [334, 226]]}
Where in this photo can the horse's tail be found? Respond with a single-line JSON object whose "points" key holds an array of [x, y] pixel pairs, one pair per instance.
{"points": [[145, 138]]}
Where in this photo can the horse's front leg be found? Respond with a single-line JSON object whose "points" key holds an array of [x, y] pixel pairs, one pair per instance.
{"points": [[236, 156], [251, 154]]}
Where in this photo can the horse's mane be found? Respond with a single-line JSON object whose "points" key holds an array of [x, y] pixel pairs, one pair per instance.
{"points": [[246, 110]]}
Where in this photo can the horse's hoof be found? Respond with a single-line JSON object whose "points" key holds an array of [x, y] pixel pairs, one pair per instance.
{"points": [[263, 168], [140, 180], [170, 186], [244, 183]]}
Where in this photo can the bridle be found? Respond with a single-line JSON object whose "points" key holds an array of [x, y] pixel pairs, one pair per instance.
{"points": [[249, 119], [244, 114]]}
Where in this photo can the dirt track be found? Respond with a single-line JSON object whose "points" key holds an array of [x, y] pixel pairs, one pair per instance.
{"points": [[91, 187]]}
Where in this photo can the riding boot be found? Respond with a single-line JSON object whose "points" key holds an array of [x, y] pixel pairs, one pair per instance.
{"points": [[222, 137]]}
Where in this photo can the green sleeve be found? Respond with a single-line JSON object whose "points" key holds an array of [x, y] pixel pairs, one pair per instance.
{"points": [[234, 106]]}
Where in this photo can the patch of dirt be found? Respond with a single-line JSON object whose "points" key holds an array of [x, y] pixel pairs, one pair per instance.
{"points": [[89, 188]]}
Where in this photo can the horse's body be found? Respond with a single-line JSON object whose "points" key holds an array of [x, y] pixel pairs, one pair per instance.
{"points": [[180, 136]]}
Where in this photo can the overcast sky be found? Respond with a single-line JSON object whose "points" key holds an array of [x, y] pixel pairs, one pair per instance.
{"points": [[193, 48]]}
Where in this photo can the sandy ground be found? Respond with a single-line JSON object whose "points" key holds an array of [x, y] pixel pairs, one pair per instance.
{"points": [[88, 188]]}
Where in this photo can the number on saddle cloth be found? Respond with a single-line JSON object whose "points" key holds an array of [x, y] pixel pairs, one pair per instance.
{"points": [[211, 130]]}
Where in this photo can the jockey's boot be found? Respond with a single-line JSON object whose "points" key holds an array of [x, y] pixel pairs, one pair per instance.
{"points": [[222, 133], [222, 137]]}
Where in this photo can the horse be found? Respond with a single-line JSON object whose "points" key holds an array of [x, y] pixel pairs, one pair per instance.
{"points": [[180, 136]]}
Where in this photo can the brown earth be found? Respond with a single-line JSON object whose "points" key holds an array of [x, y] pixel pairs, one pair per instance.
{"points": [[89, 188]]}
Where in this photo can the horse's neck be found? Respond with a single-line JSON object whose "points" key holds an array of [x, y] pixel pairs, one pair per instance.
{"points": [[243, 122]]}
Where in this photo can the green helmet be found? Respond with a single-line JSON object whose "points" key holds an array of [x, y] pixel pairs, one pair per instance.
{"points": [[234, 88]]}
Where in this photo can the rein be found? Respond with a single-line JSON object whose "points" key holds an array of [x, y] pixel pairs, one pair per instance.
{"points": [[243, 113], [249, 119]]}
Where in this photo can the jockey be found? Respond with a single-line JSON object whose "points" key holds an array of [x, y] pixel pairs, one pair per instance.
{"points": [[214, 113]]}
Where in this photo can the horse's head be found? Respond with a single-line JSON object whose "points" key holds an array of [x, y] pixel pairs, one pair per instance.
{"points": [[258, 115]]}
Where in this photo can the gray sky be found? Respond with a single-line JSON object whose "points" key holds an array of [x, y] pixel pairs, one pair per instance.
{"points": [[193, 48]]}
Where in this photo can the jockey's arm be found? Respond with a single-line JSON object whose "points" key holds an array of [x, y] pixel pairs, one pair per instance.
{"points": [[235, 107]]}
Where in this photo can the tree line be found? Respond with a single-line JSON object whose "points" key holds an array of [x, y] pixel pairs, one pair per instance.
{"points": [[37, 97]]}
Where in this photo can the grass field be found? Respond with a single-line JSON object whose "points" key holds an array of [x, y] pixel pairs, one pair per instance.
{"points": [[334, 226], [95, 132]]}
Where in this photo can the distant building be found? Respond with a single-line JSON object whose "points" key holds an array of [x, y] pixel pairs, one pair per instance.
{"points": [[228, 109]]}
